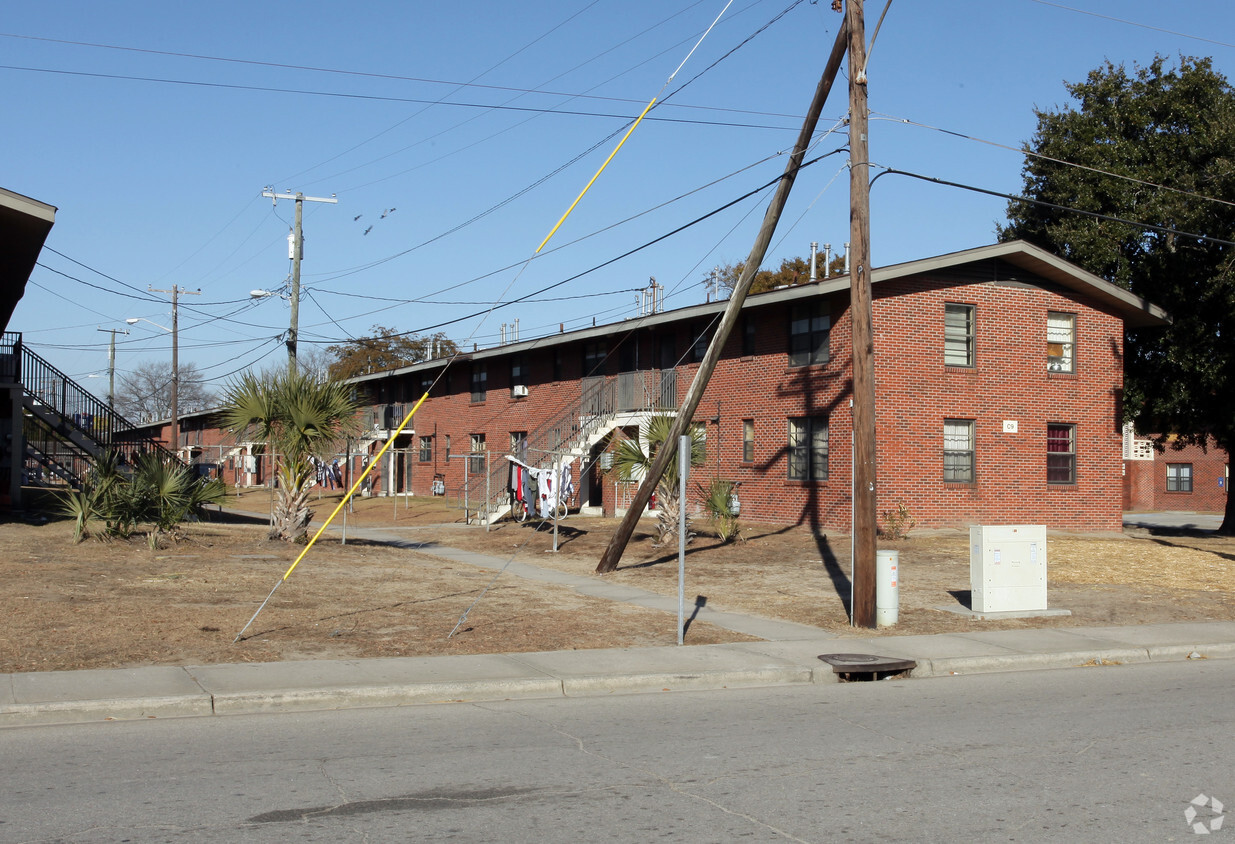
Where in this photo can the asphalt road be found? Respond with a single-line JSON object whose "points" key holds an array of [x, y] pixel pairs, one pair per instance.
{"points": [[1106, 753]]}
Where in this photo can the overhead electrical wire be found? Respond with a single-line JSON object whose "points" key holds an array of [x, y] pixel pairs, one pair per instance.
{"points": [[1042, 157], [1030, 200]]}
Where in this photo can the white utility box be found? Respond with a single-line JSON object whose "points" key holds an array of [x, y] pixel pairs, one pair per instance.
{"points": [[1007, 568]]}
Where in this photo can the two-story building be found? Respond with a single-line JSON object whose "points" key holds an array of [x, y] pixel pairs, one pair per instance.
{"points": [[998, 373]]}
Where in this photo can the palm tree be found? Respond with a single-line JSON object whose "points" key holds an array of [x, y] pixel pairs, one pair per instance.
{"points": [[634, 457], [297, 417]]}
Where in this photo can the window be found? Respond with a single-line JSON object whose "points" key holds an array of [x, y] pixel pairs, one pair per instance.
{"points": [[518, 444], [808, 335], [1060, 454], [703, 337], [518, 371], [958, 459], [480, 382], [593, 358], [476, 462], [1060, 340], [748, 440], [448, 448], [958, 335], [699, 434], [426, 449], [1179, 477], [749, 326], [557, 364], [426, 382], [808, 448]]}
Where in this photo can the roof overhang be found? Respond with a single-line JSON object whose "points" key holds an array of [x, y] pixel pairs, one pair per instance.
{"points": [[24, 225], [1135, 311]]}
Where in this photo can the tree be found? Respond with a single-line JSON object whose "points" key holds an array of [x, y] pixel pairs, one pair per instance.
{"points": [[386, 348], [145, 394], [634, 457], [298, 417], [1155, 146], [792, 271]]}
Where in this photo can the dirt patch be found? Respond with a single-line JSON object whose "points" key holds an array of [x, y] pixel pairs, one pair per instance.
{"points": [[121, 604]]}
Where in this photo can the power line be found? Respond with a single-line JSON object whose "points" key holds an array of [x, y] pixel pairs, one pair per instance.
{"points": [[378, 97], [1031, 154], [1056, 206]]}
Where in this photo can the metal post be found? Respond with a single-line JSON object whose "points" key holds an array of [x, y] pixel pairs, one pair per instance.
{"points": [[683, 468]]}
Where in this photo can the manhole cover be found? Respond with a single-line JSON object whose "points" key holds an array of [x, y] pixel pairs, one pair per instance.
{"points": [[867, 663]]}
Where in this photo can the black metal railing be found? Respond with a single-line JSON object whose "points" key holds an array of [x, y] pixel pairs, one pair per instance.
{"points": [[65, 425]]}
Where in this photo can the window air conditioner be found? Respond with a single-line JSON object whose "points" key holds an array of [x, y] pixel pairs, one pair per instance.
{"points": [[518, 391]]}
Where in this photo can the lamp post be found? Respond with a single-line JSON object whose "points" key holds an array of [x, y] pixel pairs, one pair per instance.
{"points": [[175, 374]]}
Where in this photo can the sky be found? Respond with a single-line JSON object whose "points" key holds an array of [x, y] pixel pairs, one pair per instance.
{"points": [[454, 137]]}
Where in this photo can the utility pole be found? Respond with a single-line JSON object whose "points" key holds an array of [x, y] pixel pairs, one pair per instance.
{"points": [[864, 467], [621, 537], [175, 292], [111, 364], [297, 252]]}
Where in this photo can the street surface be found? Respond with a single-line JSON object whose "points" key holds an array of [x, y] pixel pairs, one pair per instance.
{"points": [[1112, 753]]}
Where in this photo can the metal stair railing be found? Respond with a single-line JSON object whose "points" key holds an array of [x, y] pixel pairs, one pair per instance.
{"points": [[63, 418], [575, 430]]}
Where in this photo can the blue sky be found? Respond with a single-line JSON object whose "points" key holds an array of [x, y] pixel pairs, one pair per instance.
{"points": [[155, 127]]}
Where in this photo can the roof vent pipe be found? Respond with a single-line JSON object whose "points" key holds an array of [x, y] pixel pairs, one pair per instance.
{"points": [[814, 248], [846, 258], [827, 260]]}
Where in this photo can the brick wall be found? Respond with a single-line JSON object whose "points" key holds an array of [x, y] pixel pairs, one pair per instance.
{"points": [[1146, 487]]}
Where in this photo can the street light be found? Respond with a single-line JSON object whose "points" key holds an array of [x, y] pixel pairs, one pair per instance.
{"points": [[175, 373]]}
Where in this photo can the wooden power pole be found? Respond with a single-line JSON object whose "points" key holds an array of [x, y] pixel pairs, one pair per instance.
{"points": [[296, 253], [621, 537], [863, 595]]}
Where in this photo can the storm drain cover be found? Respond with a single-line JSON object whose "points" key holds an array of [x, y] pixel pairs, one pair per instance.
{"points": [[867, 663]]}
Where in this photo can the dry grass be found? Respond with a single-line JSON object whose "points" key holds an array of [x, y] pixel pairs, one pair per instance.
{"points": [[97, 605]]}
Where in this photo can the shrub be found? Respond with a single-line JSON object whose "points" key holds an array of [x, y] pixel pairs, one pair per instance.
{"points": [[897, 523]]}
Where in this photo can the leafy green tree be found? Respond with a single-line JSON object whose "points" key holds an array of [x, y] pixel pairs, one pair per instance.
{"points": [[634, 457], [386, 348], [298, 417], [1155, 146]]}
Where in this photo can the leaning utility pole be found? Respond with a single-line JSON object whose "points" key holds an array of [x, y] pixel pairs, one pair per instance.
{"points": [[621, 537], [111, 365], [176, 291], [297, 252], [864, 469]]}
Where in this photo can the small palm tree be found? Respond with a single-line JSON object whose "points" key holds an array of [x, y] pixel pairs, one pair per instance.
{"points": [[634, 457], [297, 417]]}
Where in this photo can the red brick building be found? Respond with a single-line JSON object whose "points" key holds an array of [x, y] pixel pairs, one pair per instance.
{"points": [[1180, 477], [999, 375]]}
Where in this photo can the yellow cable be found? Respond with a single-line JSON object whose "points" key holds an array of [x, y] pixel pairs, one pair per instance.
{"points": [[594, 178], [356, 485]]}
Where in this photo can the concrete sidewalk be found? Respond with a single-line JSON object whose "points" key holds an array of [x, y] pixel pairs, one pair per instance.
{"points": [[789, 653], [163, 692]]}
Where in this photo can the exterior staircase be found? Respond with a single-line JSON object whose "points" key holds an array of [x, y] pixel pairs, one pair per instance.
{"points": [[64, 427], [606, 404]]}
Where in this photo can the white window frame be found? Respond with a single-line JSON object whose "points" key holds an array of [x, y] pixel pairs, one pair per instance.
{"points": [[959, 454], [1060, 341], [959, 334]]}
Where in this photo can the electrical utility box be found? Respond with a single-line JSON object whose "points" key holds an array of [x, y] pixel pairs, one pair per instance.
{"points": [[1007, 568]]}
